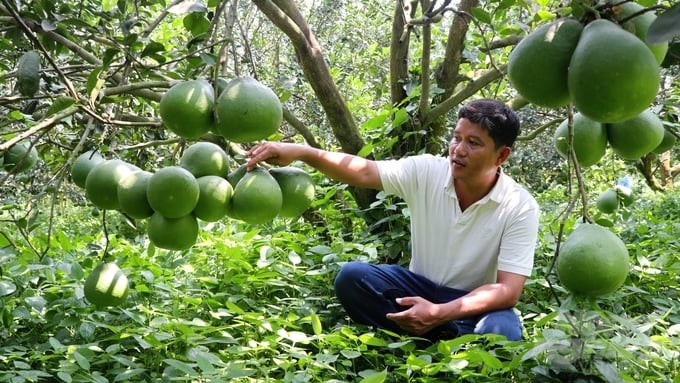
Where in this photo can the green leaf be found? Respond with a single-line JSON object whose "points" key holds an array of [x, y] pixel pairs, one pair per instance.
{"points": [[481, 15], [126, 375], [184, 367], [59, 104], [16, 115], [82, 361], [152, 48], [7, 288], [371, 340], [376, 377], [665, 26], [316, 324]]}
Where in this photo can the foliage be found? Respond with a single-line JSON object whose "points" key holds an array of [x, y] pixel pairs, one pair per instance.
{"points": [[254, 303]]}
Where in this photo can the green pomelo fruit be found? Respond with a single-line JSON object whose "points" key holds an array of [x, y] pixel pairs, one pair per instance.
{"points": [[205, 158], [101, 184], [667, 142], [257, 197], [172, 233], [538, 65], [19, 158], [297, 190], [214, 198], [632, 139], [608, 201], [132, 195], [639, 25], [172, 191], [82, 165], [590, 140], [592, 261], [106, 286], [187, 108], [28, 73], [613, 76], [247, 111], [234, 176]]}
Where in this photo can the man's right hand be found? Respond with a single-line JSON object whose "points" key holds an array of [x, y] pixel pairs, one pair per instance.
{"points": [[275, 153]]}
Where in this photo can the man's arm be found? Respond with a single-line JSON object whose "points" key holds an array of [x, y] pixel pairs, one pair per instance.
{"points": [[346, 168], [423, 315]]}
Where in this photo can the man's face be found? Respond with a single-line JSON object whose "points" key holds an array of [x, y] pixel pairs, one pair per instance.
{"points": [[473, 153]]}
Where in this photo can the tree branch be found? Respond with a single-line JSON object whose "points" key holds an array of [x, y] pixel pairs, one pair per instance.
{"points": [[300, 127], [473, 87], [44, 124]]}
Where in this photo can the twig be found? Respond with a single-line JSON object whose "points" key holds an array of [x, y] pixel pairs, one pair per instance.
{"points": [[150, 144], [146, 32], [44, 124], [539, 130], [472, 88]]}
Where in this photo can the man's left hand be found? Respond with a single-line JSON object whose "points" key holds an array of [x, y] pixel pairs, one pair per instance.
{"points": [[420, 318]]}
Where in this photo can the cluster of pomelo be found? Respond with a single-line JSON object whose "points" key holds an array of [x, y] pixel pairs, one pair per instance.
{"points": [[200, 187], [241, 110], [630, 139], [605, 69]]}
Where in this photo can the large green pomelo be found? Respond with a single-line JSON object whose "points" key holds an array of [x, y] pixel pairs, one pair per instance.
{"points": [[632, 139], [590, 140], [257, 197], [106, 285], [172, 233], [247, 111], [613, 76], [205, 158], [297, 190], [20, 158], [132, 194], [101, 184], [639, 25], [235, 175], [608, 201], [172, 191], [214, 198], [82, 165], [667, 143], [592, 261], [187, 108], [538, 65]]}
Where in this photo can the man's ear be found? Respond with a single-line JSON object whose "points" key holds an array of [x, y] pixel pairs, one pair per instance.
{"points": [[503, 155]]}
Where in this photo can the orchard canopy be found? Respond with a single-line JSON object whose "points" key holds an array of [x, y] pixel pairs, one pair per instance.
{"points": [[380, 79]]}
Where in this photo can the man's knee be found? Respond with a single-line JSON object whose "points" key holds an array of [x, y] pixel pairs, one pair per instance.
{"points": [[348, 276], [503, 322]]}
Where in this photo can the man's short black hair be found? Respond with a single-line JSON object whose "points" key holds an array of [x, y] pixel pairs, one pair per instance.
{"points": [[497, 118]]}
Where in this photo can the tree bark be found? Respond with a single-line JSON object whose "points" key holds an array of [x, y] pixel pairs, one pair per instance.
{"points": [[287, 17]]}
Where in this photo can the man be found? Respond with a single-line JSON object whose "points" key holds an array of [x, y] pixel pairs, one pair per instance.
{"points": [[473, 231]]}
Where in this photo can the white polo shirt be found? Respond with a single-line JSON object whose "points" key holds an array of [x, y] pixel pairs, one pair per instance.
{"points": [[462, 250]]}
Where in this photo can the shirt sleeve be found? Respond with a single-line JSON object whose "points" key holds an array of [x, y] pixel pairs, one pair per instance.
{"points": [[401, 177], [519, 238]]}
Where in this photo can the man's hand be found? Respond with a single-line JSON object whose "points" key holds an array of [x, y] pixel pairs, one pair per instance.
{"points": [[420, 318], [276, 153]]}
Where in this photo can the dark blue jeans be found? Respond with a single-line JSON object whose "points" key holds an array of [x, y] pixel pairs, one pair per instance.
{"points": [[368, 292]]}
